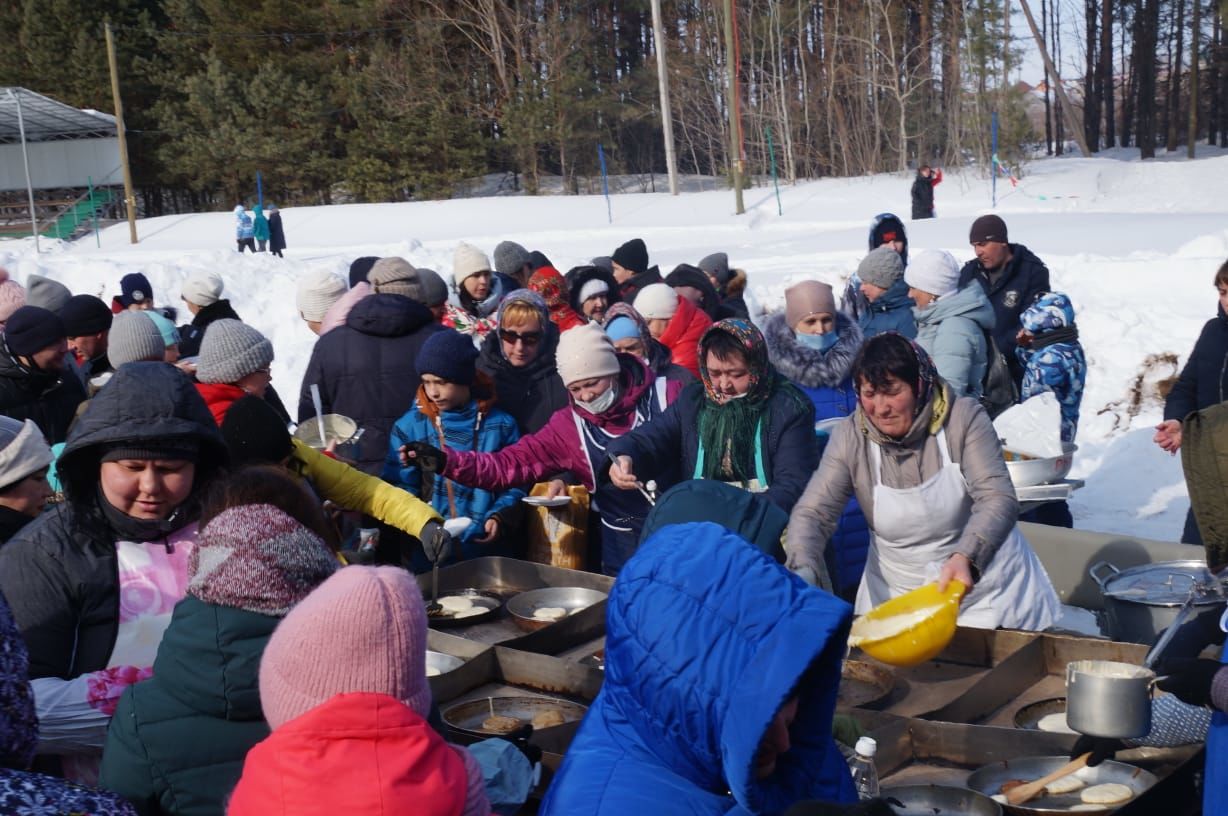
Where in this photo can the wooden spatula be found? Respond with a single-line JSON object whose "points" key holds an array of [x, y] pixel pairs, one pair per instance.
{"points": [[1026, 791]]}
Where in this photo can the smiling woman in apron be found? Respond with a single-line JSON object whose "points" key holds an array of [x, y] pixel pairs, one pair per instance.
{"points": [[928, 472], [744, 424]]}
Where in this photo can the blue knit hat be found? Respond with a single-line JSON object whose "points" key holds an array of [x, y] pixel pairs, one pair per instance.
{"points": [[448, 355]]}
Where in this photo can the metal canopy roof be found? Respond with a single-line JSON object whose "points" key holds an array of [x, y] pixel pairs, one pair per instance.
{"points": [[46, 119]]}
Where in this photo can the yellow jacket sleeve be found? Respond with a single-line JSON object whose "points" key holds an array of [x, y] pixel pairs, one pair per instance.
{"points": [[350, 488]]}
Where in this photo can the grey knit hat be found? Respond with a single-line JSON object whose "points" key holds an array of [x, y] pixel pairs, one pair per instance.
{"points": [[230, 351], [50, 294], [434, 287], [134, 336], [395, 276], [510, 258], [717, 265], [882, 267]]}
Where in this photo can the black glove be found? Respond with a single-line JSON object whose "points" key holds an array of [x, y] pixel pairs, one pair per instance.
{"points": [[870, 807], [1189, 679], [1101, 748], [520, 738], [436, 541], [426, 456]]}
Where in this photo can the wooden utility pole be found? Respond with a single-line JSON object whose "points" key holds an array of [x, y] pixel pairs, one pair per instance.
{"points": [[1072, 124], [731, 93], [129, 198], [667, 117], [1192, 134]]}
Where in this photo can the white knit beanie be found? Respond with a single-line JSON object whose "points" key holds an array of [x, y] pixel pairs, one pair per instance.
{"points": [[468, 260], [230, 351], [657, 301], [317, 292], [23, 450], [933, 270], [202, 288], [585, 352], [593, 287]]}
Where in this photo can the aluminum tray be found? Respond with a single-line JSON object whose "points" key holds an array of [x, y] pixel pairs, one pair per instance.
{"points": [[508, 577]]}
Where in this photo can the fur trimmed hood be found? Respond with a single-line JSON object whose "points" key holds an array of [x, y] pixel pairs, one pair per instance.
{"points": [[809, 367]]}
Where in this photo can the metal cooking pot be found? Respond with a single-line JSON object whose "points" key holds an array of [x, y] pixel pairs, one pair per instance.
{"points": [[1143, 601], [337, 428], [1109, 699], [926, 800]]}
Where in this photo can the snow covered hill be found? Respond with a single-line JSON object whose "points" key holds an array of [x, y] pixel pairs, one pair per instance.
{"points": [[1135, 244]]}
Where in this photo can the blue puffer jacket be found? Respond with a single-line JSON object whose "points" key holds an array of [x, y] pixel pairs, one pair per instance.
{"points": [[706, 639], [1055, 360], [891, 312], [826, 377], [952, 331], [466, 429]]}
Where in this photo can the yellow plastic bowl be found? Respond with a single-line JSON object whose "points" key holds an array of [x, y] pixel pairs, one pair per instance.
{"points": [[917, 641]]}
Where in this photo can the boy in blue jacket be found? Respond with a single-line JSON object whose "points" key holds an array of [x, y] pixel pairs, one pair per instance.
{"points": [[455, 410], [1052, 357]]}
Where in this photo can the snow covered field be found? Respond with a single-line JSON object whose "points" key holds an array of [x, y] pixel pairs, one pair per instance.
{"points": [[1135, 244]]}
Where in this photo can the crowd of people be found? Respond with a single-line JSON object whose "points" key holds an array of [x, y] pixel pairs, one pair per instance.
{"points": [[198, 604]]}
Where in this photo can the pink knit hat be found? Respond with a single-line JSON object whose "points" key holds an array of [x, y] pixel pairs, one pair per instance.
{"points": [[363, 629], [12, 296]]}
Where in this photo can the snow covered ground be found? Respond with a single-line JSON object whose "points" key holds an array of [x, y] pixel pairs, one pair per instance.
{"points": [[1136, 245]]}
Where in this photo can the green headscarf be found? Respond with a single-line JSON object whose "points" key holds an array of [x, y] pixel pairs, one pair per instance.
{"points": [[727, 430]]}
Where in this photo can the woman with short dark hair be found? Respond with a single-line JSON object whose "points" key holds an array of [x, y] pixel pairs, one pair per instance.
{"points": [[927, 469]]}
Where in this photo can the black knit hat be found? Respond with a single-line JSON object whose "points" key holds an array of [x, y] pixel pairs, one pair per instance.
{"points": [[632, 255], [84, 315], [254, 433], [31, 329], [360, 268], [449, 355], [134, 288], [988, 228], [538, 260]]}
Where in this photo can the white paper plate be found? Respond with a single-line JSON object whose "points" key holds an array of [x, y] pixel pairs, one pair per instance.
{"points": [[457, 526], [546, 501]]}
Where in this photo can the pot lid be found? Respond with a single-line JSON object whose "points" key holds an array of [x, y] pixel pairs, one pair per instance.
{"points": [[1166, 582]]}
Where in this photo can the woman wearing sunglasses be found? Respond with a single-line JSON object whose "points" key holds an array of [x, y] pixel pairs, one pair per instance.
{"points": [[519, 357]]}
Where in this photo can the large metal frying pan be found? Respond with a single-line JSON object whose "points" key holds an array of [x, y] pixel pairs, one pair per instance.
{"points": [[927, 800], [989, 780]]}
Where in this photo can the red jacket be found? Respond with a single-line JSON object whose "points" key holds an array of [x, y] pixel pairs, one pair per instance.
{"points": [[219, 397], [359, 753], [682, 335]]}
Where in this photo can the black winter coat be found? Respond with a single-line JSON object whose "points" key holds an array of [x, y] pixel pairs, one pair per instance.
{"points": [[48, 398], [60, 574], [532, 393], [277, 233], [1204, 380], [790, 447], [12, 523], [365, 369], [194, 332], [922, 197], [631, 286], [1025, 277]]}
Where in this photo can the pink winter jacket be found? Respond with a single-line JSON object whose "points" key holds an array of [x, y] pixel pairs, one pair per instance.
{"points": [[339, 311], [557, 446]]}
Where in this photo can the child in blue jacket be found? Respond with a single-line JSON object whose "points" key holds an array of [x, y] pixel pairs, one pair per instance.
{"points": [[1052, 357], [455, 410]]}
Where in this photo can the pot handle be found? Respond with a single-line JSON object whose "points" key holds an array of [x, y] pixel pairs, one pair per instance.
{"points": [[1093, 571]]}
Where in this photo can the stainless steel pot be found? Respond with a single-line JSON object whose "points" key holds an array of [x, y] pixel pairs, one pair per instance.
{"points": [[1143, 601], [1109, 699]]}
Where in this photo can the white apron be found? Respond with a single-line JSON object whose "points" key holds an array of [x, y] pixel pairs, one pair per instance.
{"points": [[917, 527]]}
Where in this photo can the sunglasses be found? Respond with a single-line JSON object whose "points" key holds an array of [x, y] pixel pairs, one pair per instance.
{"points": [[528, 338]]}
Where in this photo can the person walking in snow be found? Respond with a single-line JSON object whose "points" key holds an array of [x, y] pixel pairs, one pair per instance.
{"points": [[951, 322], [277, 233], [923, 191], [260, 228], [244, 229]]}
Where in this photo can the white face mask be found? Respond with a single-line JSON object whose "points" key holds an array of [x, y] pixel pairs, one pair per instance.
{"points": [[602, 403]]}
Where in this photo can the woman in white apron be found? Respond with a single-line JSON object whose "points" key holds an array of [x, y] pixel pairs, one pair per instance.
{"points": [[928, 471]]}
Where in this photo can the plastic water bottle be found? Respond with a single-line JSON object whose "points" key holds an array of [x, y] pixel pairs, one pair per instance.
{"points": [[865, 775]]}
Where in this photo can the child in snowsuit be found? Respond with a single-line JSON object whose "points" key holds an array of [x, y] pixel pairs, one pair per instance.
{"points": [[455, 412], [245, 231], [1052, 357]]}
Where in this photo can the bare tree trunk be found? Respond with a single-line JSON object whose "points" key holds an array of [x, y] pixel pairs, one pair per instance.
{"points": [[1191, 136], [1091, 100], [1044, 33], [1176, 56], [1147, 30], [1108, 88]]}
